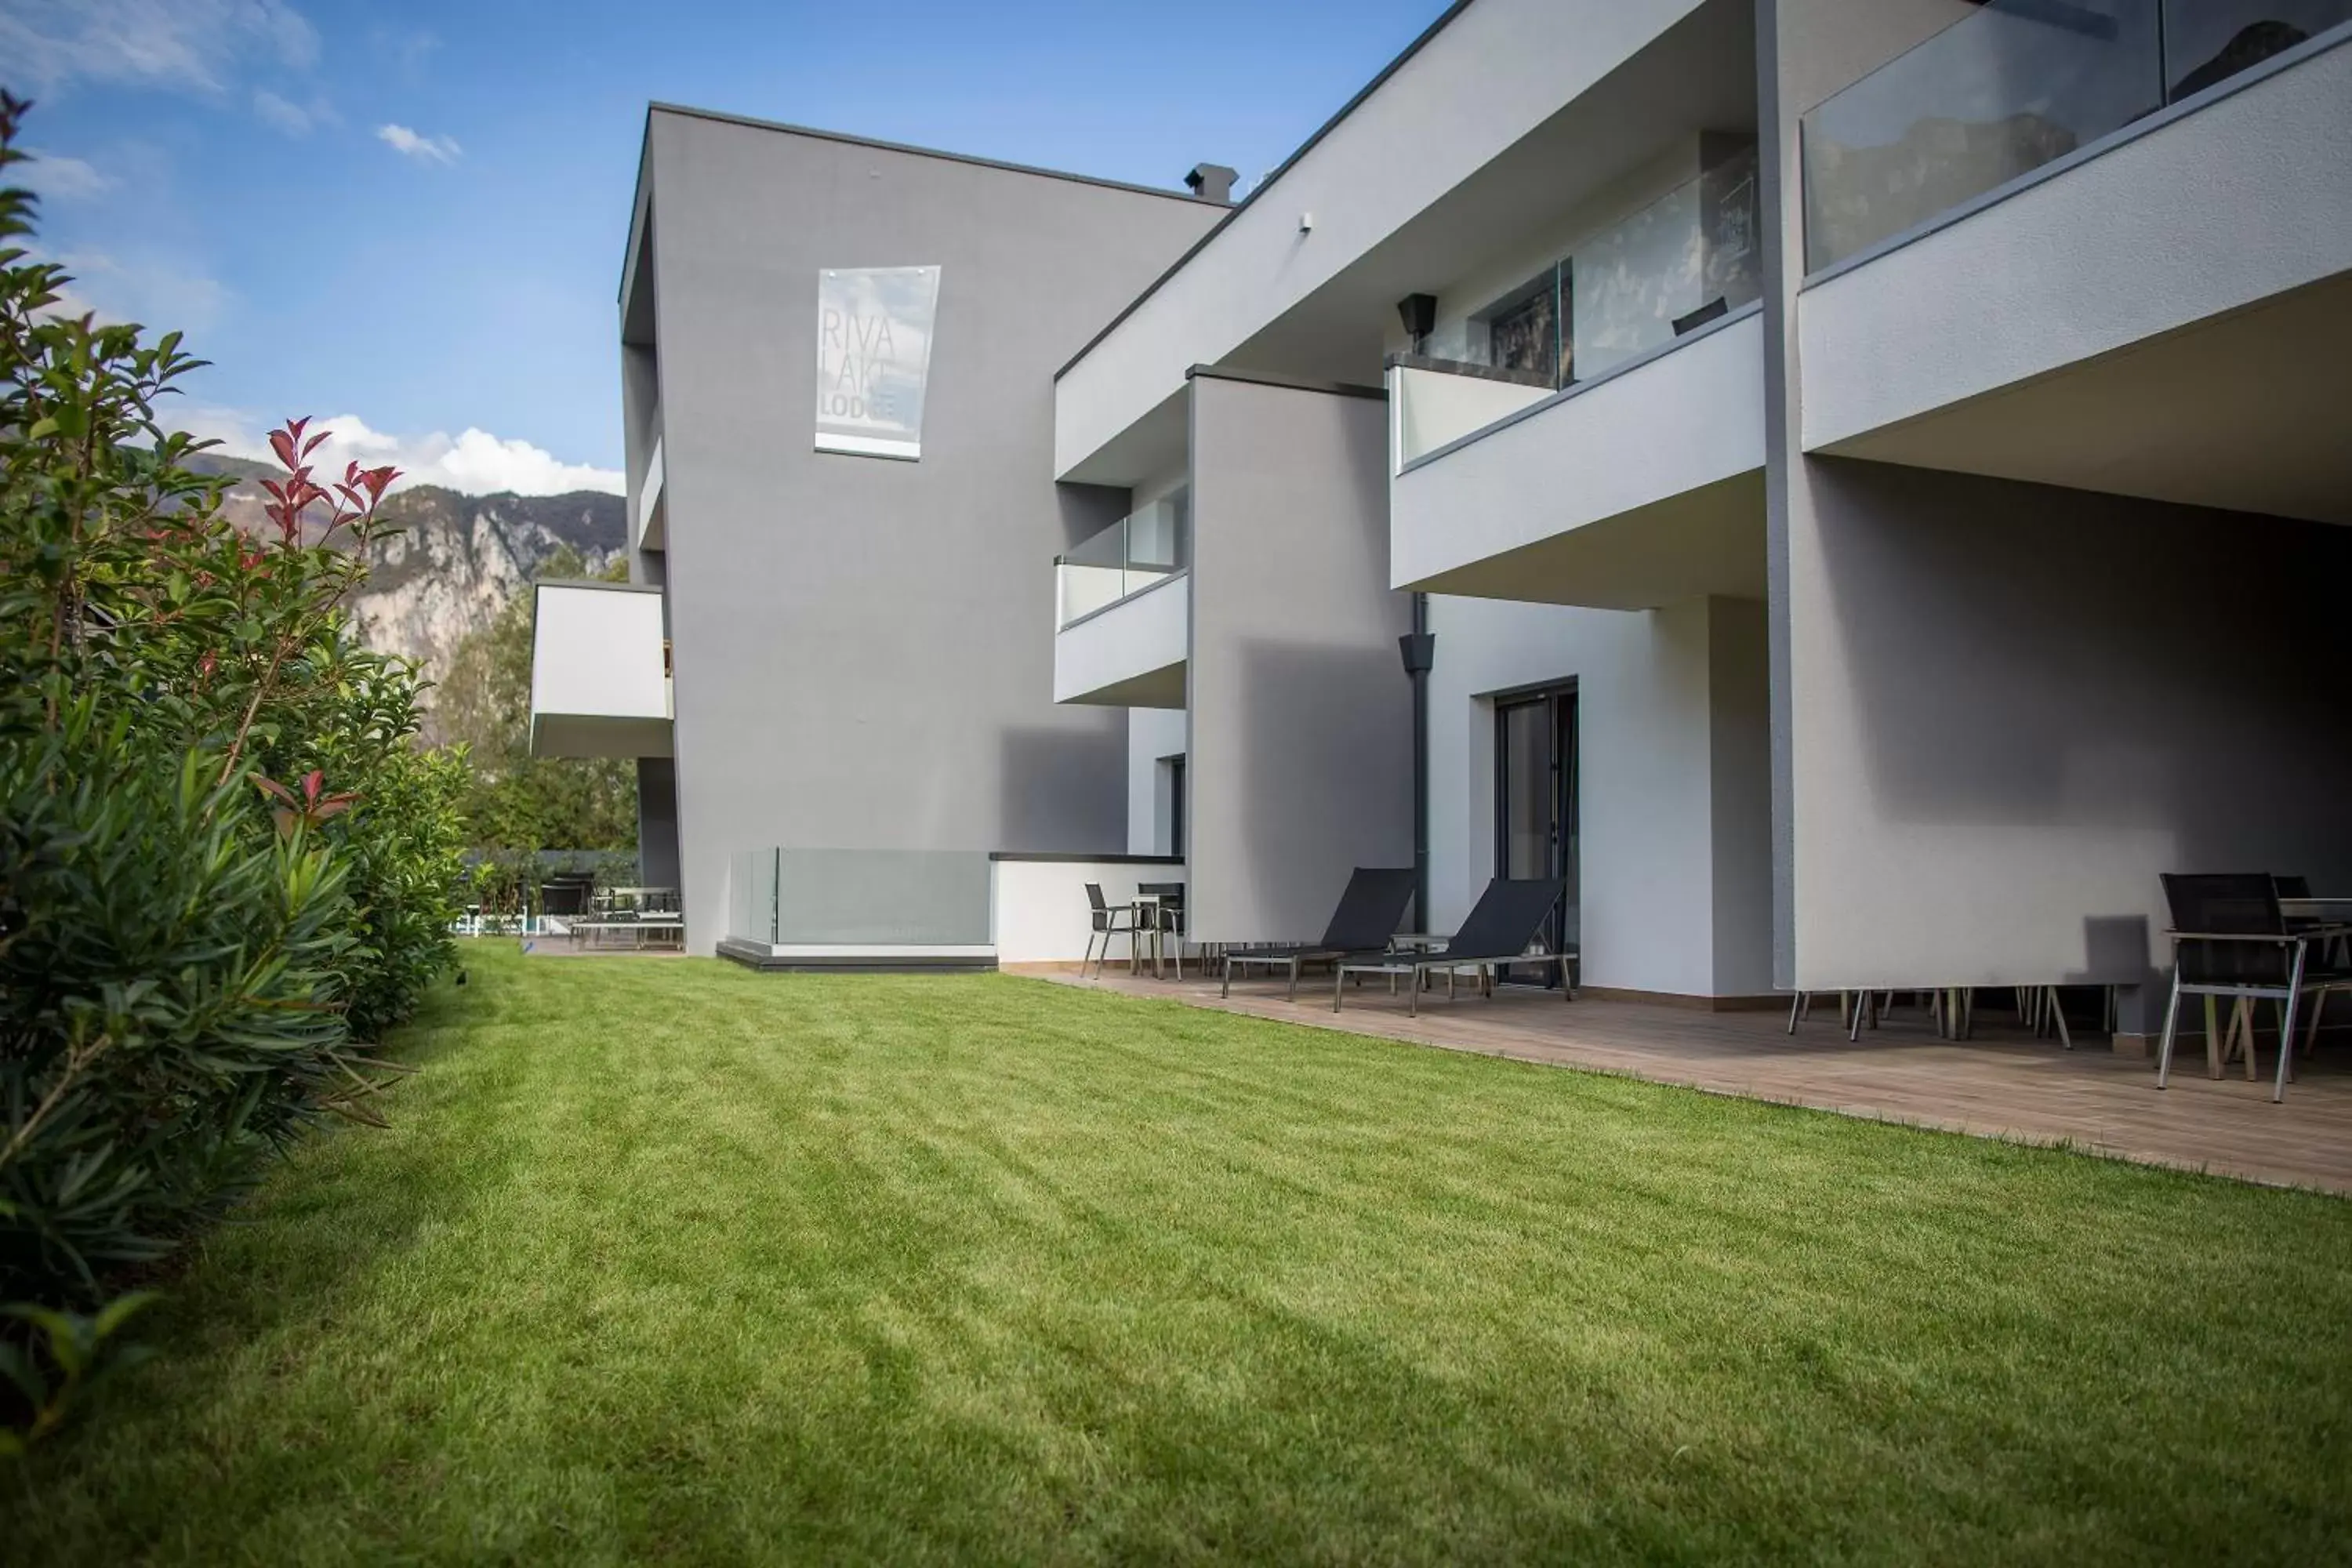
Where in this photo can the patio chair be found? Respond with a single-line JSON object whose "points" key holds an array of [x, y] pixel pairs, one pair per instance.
{"points": [[2229, 939], [1505, 921], [1370, 911], [1106, 922], [2335, 952], [564, 900]]}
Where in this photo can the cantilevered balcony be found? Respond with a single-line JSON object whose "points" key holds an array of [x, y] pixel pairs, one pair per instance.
{"points": [[600, 684], [1597, 436], [2105, 245], [1122, 617]]}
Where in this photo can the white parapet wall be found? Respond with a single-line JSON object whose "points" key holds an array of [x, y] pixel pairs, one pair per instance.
{"points": [[1041, 912], [1430, 408], [599, 686], [1131, 654]]}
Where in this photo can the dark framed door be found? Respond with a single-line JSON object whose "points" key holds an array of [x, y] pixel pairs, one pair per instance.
{"points": [[1536, 808], [1176, 807]]}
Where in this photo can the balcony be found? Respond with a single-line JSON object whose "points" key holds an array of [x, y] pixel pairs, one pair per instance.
{"points": [[1624, 292], [2103, 244], [1504, 108], [600, 682], [1597, 436], [2020, 85], [1123, 612]]}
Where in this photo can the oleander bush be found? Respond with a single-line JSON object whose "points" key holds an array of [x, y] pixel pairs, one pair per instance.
{"points": [[225, 868]]}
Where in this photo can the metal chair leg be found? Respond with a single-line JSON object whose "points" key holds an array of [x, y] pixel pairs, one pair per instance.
{"points": [[2286, 1029], [2171, 1020], [1796, 1005], [1292, 995], [1226, 990]]}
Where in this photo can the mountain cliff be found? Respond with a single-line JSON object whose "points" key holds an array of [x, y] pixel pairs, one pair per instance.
{"points": [[454, 562]]}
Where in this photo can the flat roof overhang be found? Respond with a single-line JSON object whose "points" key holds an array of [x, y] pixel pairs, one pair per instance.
{"points": [[1596, 89]]}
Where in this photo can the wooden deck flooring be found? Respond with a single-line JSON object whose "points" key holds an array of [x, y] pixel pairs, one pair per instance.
{"points": [[2000, 1084]]}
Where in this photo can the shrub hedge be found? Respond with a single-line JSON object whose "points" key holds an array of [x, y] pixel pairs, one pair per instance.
{"points": [[225, 868]]}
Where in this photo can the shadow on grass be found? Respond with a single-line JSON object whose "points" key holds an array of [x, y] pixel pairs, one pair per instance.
{"points": [[323, 1219]]}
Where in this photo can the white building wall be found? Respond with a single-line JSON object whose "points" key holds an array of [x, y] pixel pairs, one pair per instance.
{"points": [[1041, 915], [1499, 274], [1152, 735], [1652, 807]]}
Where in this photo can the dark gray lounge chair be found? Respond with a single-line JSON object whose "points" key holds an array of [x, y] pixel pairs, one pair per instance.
{"points": [[1508, 917], [1368, 915]]}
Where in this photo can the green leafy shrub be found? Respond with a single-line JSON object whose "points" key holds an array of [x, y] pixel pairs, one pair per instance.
{"points": [[197, 959]]}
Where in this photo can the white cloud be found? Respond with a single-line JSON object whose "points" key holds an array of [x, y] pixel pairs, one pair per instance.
{"points": [[163, 296], [189, 44], [427, 149], [473, 461], [55, 176], [294, 119]]}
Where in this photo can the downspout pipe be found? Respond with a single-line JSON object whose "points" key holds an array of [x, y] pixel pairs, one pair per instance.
{"points": [[1419, 648]]}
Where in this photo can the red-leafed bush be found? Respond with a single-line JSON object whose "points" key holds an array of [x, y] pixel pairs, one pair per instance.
{"points": [[224, 867]]}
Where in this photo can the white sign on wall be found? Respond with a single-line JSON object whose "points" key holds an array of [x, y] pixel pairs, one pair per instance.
{"points": [[873, 358]]}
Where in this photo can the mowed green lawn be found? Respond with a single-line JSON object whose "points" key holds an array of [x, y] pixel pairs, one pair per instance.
{"points": [[668, 1261]]}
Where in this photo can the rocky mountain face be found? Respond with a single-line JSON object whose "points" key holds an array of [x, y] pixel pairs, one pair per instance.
{"points": [[455, 561]]}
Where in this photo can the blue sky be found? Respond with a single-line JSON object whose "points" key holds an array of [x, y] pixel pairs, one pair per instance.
{"points": [[410, 216]]}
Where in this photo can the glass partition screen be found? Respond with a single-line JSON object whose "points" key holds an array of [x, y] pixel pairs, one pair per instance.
{"points": [[1142, 549], [1687, 258]]}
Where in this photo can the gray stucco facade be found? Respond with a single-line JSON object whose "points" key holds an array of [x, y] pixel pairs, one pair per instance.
{"points": [[859, 643], [1301, 738]]}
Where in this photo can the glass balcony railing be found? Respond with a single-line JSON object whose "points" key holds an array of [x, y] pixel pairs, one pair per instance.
{"points": [[852, 897], [1146, 546], [1684, 260], [2020, 84]]}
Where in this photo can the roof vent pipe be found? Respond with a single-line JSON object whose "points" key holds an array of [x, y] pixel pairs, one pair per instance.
{"points": [[1212, 182]]}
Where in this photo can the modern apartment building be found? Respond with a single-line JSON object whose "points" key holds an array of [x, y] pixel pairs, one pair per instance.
{"points": [[837, 370], [1863, 482]]}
